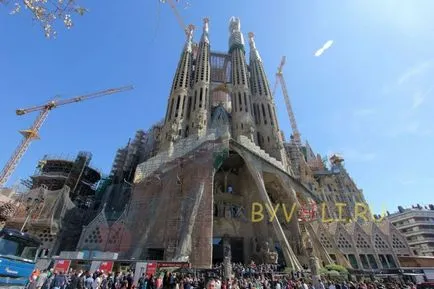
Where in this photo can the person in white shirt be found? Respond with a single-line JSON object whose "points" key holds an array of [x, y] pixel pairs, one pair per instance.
{"points": [[218, 284], [97, 282], [278, 285]]}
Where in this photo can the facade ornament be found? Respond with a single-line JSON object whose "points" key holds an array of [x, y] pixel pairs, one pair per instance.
{"points": [[173, 132], [200, 120], [268, 256]]}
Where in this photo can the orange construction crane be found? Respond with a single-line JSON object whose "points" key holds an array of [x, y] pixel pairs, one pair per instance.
{"points": [[33, 133], [279, 78]]}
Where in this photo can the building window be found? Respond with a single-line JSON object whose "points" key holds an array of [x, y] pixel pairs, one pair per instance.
{"points": [[206, 98], [155, 254], [195, 98], [245, 102], [361, 242], [200, 97], [342, 242], [183, 105], [177, 105], [372, 261], [189, 108], [391, 261], [383, 261], [379, 242], [364, 260], [239, 99], [271, 115], [263, 113], [171, 108], [353, 261]]}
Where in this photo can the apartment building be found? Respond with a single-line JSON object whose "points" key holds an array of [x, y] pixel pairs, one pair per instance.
{"points": [[417, 225]]}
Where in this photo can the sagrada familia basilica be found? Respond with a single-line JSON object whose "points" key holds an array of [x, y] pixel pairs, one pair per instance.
{"points": [[184, 190]]}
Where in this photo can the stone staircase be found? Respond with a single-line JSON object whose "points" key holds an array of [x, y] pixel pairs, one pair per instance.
{"points": [[179, 149], [252, 147]]}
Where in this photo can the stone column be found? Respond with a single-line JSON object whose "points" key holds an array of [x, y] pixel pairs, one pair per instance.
{"points": [[227, 258], [313, 264]]}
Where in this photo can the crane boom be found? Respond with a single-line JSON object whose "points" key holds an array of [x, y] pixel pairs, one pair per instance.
{"points": [[33, 133], [178, 16], [281, 79], [53, 104]]}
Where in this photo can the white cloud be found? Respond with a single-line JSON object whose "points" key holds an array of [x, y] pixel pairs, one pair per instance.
{"points": [[419, 97], [364, 112], [414, 71], [407, 182], [411, 128], [417, 181], [326, 46]]}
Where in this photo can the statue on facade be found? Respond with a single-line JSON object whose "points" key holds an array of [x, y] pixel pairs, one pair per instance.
{"points": [[200, 120], [313, 263], [268, 256], [173, 133]]}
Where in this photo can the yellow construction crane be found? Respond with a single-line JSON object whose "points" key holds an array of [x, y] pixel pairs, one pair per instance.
{"points": [[33, 133], [187, 29], [279, 78]]}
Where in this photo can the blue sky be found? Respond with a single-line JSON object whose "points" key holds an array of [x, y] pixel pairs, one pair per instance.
{"points": [[369, 97]]}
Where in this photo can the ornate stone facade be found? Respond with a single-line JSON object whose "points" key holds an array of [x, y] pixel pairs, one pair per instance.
{"points": [[193, 200]]}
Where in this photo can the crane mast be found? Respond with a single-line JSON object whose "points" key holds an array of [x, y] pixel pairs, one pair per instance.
{"points": [[281, 79], [33, 133], [296, 156]]}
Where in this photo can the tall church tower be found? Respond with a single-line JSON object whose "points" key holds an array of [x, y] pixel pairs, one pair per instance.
{"points": [[176, 123], [199, 100], [268, 134], [242, 121]]}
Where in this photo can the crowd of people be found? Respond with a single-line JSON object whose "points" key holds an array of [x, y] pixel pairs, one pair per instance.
{"points": [[244, 277]]}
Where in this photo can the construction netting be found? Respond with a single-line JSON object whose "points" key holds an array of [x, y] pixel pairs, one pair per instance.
{"points": [[171, 207]]}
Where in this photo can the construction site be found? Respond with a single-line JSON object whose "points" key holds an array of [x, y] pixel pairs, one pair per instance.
{"points": [[182, 191]]}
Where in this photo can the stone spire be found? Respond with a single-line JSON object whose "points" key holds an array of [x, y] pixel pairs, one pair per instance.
{"points": [[268, 135], [242, 120], [204, 37], [175, 121], [254, 54], [198, 111], [258, 80]]}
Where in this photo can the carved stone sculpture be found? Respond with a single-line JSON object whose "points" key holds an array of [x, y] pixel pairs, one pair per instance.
{"points": [[173, 132], [268, 257], [200, 120]]}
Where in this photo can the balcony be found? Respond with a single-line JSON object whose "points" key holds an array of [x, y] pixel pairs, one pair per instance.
{"points": [[418, 232], [411, 214], [418, 223], [421, 241], [426, 250]]}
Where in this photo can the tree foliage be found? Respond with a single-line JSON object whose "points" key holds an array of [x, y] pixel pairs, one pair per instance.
{"points": [[335, 267], [47, 13]]}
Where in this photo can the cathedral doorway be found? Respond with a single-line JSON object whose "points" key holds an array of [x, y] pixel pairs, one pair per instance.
{"points": [[237, 250], [217, 250]]}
